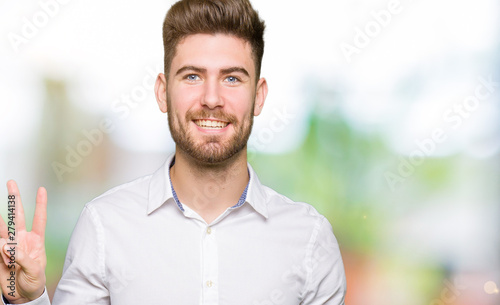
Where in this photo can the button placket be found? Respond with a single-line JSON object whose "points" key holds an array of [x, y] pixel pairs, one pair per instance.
{"points": [[210, 267]]}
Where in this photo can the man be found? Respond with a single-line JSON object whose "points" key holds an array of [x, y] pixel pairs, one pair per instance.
{"points": [[201, 229]]}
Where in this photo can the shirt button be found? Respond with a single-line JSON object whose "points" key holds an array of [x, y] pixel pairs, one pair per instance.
{"points": [[209, 284], [209, 230]]}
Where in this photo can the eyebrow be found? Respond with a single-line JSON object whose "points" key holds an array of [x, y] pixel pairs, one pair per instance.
{"points": [[235, 69], [190, 68], [222, 72]]}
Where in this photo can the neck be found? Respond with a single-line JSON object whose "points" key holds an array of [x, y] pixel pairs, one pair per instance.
{"points": [[209, 189]]}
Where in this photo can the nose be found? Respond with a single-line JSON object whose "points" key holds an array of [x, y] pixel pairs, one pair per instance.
{"points": [[211, 97]]}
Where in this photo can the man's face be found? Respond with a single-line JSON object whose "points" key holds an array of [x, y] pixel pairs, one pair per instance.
{"points": [[212, 96]]}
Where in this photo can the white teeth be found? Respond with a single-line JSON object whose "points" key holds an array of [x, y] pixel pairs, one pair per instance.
{"points": [[210, 124]]}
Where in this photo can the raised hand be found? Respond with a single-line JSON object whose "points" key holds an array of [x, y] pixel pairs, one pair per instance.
{"points": [[22, 274]]}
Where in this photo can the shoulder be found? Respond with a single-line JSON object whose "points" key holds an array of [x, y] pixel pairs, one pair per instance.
{"points": [[133, 192], [279, 202], [297, 213]]}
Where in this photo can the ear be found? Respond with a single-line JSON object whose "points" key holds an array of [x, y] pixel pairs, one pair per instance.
{"points": [[260, 96], [161, 92]]}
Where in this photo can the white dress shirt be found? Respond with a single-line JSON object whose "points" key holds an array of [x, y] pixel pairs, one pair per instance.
{"points": [[135, 245]]}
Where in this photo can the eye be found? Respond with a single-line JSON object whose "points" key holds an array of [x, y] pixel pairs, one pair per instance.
{"points": [[192, 77], [232, 79]]}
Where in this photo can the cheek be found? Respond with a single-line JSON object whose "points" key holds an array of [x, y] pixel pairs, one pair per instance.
{"points": [[183, 99], [239, 102]]}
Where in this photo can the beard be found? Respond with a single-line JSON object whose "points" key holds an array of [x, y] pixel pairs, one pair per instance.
{"points": [[211, 149]]}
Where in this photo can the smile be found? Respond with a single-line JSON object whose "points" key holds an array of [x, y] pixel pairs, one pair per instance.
{"points": [[211, 124]]}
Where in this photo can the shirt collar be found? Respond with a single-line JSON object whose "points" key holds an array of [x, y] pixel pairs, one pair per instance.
{"points": [[256, 195], [161, 190]]}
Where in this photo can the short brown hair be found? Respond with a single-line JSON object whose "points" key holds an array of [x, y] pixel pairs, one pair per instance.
{"points": [[233, 17]]}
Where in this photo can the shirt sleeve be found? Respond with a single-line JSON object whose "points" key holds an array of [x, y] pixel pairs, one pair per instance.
{"points": [[41, 300], [326, 283], [83, 281]]}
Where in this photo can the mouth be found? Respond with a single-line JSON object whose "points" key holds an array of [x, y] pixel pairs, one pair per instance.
{"points": [[211, 124]]}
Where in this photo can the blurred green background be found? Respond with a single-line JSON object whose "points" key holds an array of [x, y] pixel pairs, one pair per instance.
{"points": [[384, 115]]}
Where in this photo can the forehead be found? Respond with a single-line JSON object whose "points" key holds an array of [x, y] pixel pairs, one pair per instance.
{"points": [[213, 52]]}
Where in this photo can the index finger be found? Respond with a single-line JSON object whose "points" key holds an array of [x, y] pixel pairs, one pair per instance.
{"points": [[19, 210], [40, 218]]}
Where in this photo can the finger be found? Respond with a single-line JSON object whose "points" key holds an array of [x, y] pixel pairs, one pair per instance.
{"points": [[3, 229], [40, 218], [5, 257], [13, 190]]}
